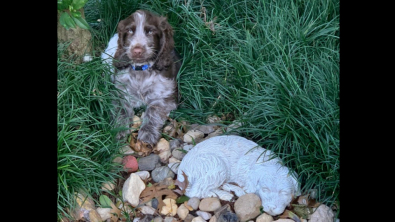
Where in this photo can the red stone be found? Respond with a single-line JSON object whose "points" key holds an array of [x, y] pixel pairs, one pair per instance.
{"points": [[130, 164]]}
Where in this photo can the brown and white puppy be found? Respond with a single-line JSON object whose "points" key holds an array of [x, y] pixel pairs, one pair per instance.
{"points": [[146, 67]]}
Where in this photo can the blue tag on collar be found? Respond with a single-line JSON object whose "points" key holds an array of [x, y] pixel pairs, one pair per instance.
{"points": [[138, 68]]}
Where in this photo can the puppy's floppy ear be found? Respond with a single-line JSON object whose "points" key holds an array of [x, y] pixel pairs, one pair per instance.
{"points": [[120, 57], [166, 43]]}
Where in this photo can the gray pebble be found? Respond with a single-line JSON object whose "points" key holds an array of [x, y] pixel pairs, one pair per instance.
{"points": [[160, 173], [149, 162]]}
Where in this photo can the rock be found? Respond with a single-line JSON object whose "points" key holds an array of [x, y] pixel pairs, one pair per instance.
{"points": [[160, 173], [189, 218], [149, 162], [198, 219], [143, 174], [107, 186], [194, 202], [104, 213], [187, 147], [174, 160], [153, 203], [126, 150], [182, 211], [132, 189], [117, 160], [213, 119], [147, 210], [167, 182], [227, 216], [264, 218], [213, 219], [206, 129], [168, 130], [164, 156], [204, 215], [322, 214], [136, 123], [145, 218], [173, 167], [235, 124], [247, 206], [158, 219], [209, 204], [174, 144], [222, 209], [284, 220], [170, 207], [217, 132], [193, 135], [178, 153], [162, 145], [130, 164], [86, 209], [170, 219]]}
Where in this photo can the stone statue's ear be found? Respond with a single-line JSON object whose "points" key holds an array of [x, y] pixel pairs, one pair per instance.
{"points": [[296, 185]]}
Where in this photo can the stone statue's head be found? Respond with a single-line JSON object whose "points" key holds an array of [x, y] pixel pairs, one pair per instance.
{"points": [[276, 187]]}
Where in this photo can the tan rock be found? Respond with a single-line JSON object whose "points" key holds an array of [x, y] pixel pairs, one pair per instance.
{"points": [[193, 135], [104, 213], [284, 220], [162, 145], [132, 189], [213, 219], [247, 206], [147, 210], [126, 150], [209, 204], [164, 156], [264, 218], [182, 211], [198, 219], [143, 174], [107, 186], [322, 214], [86, 209], [118, 160]]}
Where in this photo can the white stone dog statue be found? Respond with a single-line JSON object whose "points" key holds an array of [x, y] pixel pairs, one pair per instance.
{"points": [[212, 165]]}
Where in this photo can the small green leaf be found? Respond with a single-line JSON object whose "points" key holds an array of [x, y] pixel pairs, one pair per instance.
{"points": [[81, 23], [66, 21], [77, 4], [149, 184], [63, 4], [76, 14], [105, 202], [182, 199]]}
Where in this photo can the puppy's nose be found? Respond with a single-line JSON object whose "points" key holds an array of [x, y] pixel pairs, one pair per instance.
{"points": [[137, 51]]}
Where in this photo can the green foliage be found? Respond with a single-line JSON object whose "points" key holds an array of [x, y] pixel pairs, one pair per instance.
{"points": [[85, 147], [69, 16], [105, 202], [273, 65]]}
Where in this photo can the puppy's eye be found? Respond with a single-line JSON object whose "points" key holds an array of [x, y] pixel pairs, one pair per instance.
{"points": [[149, 32], [130, 31]]}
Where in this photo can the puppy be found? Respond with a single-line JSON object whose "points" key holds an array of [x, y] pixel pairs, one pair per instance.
{"points": [[145, 68]]}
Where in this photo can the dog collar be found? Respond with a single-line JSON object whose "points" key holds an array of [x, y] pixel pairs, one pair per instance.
{"points": [[138, 68]]}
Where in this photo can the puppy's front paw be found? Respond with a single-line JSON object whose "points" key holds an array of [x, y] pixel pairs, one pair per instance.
{"points": [[143, 147], [148, 135]]}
